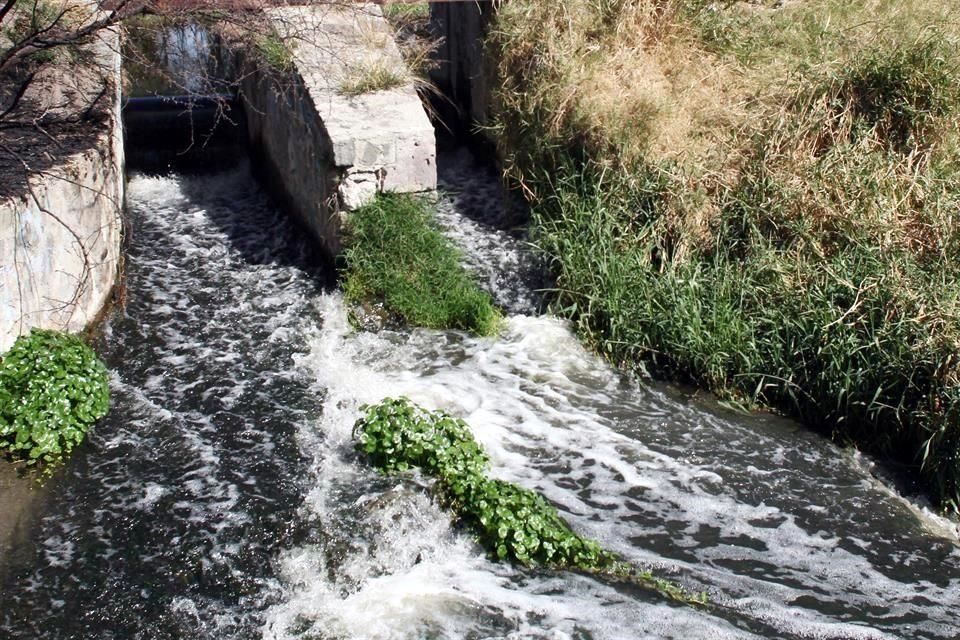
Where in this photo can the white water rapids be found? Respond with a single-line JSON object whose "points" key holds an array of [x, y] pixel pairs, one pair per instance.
{"points": [[238, 378]]}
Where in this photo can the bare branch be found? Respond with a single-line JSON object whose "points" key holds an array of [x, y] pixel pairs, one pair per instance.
{"points": [[5, 9], [18, 96]]}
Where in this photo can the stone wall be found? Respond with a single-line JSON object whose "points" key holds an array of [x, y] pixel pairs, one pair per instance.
{"points": [[60, 235], [294, 157], [322, 150]]}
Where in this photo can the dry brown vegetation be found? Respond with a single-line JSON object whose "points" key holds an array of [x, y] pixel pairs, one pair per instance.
{"points": [[692, 85], [759, 197]]}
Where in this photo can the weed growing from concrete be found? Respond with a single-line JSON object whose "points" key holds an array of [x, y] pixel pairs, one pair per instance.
{"points": [[406, 11], [274, 52], [371, 77]]}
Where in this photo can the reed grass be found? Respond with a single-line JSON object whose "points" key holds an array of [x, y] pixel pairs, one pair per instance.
{"points": [[770, 212]]}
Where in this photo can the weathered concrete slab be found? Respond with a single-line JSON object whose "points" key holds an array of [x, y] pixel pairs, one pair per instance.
{"points": [[384, 133], [328, 150], [60, 234], [463, 72]]}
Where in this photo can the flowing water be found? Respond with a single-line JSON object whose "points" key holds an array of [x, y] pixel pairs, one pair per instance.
{"points": [[222, 497]]}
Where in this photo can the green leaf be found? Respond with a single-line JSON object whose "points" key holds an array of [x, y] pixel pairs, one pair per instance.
{"points": [[52, 389]]}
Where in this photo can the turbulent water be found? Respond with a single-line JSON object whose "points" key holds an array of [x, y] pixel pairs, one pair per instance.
{"points": [[222, 497]]}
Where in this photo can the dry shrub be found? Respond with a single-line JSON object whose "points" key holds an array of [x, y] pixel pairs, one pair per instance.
{"points": [[621, 78]]}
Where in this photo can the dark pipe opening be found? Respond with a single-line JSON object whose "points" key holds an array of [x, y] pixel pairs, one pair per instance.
{"points": [[182, 133]]}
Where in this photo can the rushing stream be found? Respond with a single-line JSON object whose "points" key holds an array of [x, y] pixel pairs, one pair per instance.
{"points": [[222, 498]]}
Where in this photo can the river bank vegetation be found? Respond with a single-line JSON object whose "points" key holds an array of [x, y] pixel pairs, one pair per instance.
{"points": [[759, 198]]}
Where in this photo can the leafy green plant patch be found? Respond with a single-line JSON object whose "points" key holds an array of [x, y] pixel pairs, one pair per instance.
{"points": [[511, 522], [53, 387]]}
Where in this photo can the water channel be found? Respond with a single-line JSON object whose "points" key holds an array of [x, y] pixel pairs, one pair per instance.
{"points": [[221, 498]]}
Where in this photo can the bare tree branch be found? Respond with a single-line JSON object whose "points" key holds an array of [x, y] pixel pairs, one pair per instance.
{"points": [[5, 9], [18, 95]]}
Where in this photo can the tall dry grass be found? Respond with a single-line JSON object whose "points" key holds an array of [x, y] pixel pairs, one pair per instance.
{"points": [[760, 200]]}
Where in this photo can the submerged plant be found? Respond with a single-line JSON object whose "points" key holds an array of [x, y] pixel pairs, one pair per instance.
{"points": [[511, 522], [53, 387]]}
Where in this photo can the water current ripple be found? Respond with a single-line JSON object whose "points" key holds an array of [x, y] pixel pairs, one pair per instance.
{"points": [[222, 497], [166, 523]]}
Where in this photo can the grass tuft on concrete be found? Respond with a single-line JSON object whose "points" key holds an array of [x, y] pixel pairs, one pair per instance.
{"points": [[371, 77], [406, 11], [395, 253], [756, 198]]}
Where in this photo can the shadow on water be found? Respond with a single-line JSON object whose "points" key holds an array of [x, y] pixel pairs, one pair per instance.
{"points": [[294, 245], [488, 222], [496, 206], [183, 134]]}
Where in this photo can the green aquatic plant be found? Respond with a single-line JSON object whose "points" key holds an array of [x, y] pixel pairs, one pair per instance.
{"points": [[53, 387], [512, 523]]}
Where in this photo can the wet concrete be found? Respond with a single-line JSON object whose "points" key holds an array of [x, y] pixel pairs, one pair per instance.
{"points": [[20, 499]]}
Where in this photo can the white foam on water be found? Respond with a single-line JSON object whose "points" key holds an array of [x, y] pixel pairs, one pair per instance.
{"points": [[165, 522], [538, 402], [790, 537]]}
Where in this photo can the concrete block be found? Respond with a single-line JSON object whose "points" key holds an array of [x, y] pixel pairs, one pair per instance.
{"points": [[385, 130]]}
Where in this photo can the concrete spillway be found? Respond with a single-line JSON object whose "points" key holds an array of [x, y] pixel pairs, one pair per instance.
{"points": [[181, 132], [323, 149]]}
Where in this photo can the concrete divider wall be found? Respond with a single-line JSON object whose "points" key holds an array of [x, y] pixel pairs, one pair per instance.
{"points": [[295, 155], [463, 72], [322, 150], [60, 238]]}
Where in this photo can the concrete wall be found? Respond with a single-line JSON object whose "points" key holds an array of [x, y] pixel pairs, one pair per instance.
{"points": [[463, 73], [323, 151], [295, 156], [60, 238]]}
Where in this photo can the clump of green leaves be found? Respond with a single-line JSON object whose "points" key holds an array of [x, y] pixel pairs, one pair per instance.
{"points": [[511, 522], [53, 387], [396, 253]]}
